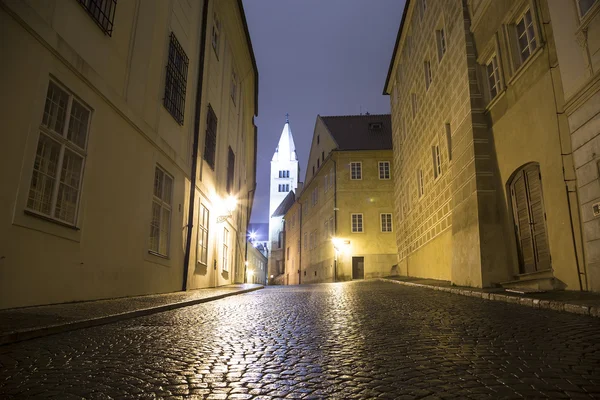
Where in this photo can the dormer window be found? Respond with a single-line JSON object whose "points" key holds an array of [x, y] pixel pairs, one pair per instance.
{"points": [[375, 126]]}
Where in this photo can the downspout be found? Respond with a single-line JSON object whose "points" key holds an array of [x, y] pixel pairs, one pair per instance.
{"points": [[190, 224], [335, 261]]}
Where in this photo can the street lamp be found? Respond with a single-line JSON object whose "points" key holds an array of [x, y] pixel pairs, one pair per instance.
{"points": [[230, 204]]}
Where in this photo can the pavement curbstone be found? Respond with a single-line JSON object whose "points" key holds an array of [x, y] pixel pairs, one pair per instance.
{"points": [[27, 334], [593, 311]]}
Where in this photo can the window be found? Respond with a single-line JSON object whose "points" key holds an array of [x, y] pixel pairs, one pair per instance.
{"points": [[305, 240], [326, 184], [437, 161], [311, 245], [526, 36], [60, 157], [322, 156], [449, 141], [288, 253], [386, 222], [161, 212], [305, 207], [225, 249], [203, 235], [176, 80], [284, 188], [313, 170], [102, 12], [315, 196], [284, 174], [357, 223], [355, 170], [318, 139], [420, 184], [216, 32], [413, 98], [210, 142], [234, 85], [440, 37], [583, 6], [428, 76], [493, 77], [318, 163], [326, 231], [230, 170], [384, 170]]}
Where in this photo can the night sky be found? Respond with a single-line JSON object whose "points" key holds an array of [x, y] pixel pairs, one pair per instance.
{"points": [[327, 57]]}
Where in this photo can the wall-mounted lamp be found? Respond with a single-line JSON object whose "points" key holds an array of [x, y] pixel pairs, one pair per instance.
{"points": [[230, 204]]}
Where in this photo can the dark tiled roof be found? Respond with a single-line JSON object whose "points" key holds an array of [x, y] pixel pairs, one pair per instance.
{"points": [[285, 205], [359, 132]]}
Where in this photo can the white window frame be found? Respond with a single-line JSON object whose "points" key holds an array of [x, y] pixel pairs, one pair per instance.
{"points": [[356, 166], [428, 74], [164, 204], [533, 43], [63, 143], [420, 183], [493, 78], [389, 171], [203, 235], [360, 228], [225, 262], [440, 38], [385, 225], [437, 161]]}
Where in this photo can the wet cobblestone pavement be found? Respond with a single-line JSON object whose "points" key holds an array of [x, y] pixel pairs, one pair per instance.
{"points": [[358, 340]]}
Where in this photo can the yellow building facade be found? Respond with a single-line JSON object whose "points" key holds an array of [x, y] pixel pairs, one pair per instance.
{"points": [[485, 180], [346, 206], [108, 112]]}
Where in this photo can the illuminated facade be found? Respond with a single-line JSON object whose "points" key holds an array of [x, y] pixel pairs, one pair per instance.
{"points": [[342, 225], [128, 165], [484, 178]]}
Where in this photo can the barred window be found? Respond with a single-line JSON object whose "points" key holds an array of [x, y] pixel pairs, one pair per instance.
{"points": [[60, 157], [102, 12], [203, 218], [160, 226], [355, 170], [210, 142], [357, 223], [176, 79], [386, 222], [384, 170]]}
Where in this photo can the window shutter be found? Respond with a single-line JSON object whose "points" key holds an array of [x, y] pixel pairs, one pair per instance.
{"points": [[230, 169]]}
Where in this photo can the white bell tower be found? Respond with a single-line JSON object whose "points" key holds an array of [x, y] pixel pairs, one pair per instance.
{"points": [[284, 168]]}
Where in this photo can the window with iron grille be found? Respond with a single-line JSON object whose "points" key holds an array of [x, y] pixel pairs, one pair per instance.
{"points": [[230, 169], [175, 80], [210, 142], [203, 218], [160, 226], [356, 170], [386, 222], [102, 12], [60, 157], [225, 249], [384, 170], [357, 223]]}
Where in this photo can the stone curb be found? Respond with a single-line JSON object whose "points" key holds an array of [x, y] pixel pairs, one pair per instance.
{"points": [[27, 334], [580, 309]]}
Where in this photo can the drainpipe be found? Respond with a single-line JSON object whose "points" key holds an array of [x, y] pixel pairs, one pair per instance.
{"points": [[190, 224], [335, 210]]}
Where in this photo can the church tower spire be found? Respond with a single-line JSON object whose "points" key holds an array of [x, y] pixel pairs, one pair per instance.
{"points": [[284, 168]]}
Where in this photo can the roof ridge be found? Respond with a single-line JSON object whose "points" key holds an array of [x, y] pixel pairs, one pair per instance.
{"points": [[353, 115]]}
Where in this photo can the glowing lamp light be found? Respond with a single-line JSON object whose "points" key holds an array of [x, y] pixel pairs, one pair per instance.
{"points": [[230, 203], [252, 236]]}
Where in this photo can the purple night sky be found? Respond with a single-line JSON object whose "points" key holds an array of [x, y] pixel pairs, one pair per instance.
{"points": [[327, 57]]}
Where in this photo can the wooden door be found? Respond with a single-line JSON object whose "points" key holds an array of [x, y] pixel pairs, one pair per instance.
{"points": [[530, 219], [358, 268]]}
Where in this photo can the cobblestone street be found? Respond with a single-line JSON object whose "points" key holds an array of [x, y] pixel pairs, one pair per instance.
{"points": [[363, 340]]}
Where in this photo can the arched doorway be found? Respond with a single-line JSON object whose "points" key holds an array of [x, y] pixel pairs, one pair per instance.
{"points": [[529, 218]]}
